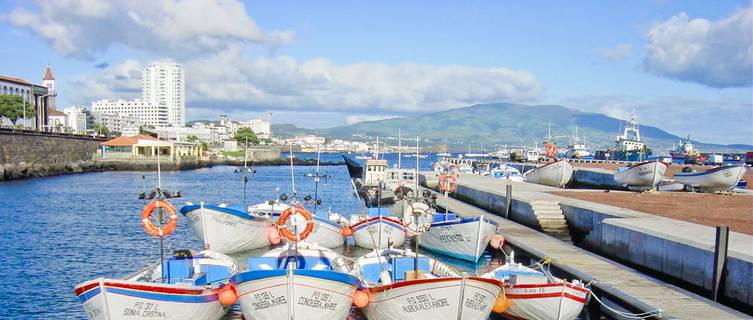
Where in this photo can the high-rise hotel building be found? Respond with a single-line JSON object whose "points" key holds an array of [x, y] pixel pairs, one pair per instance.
{"points": [[163, 100]]}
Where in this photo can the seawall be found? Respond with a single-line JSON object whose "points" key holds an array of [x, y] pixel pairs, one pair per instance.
{"points": [[17, 146]]}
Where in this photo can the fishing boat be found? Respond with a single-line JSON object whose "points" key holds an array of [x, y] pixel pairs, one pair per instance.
{"points": [[444, 154], [188, 285], [504, 171], [641, 176], [536, 295], [685, 152], [718, 179], [378, 229], [327, 229], [457, 237], [228, 229], [404, 285], [577, 149], [555, 174], [298, 281], [628, 145]]}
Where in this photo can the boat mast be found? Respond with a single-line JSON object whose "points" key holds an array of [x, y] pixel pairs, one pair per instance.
{"points": [[292, 175], [316, 178], [399, 147]]}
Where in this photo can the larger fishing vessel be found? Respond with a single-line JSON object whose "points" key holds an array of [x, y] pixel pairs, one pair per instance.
{"points": [[629, 146]]}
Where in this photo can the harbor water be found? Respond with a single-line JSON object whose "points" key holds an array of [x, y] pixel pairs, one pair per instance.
{"points": [[61, 231]]}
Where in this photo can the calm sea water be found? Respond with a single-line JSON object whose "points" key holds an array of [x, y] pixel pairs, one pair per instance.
{"points": [[61, 231]]}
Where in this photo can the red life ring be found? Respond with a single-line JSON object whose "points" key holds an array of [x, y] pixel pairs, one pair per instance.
{"points": [[159, 231], [284, 219], [551, 150], [448, 183]]}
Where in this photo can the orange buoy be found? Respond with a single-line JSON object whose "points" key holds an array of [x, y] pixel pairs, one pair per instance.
{"points": [[274, 235], [501, 304], [289, 234], [448, 183], [227, 295], [346, 231], [361, 298], [159, 231], [551, 150], [497, 241]]}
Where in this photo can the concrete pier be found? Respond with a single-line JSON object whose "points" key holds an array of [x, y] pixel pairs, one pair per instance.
{"points": [[676, 249]]}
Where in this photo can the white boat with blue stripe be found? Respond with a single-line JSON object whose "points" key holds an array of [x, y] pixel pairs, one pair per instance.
{"points": [[185, 286], [435, 292], [461, 238], [303, 281], [228, 229], [723, 178], [377, 229]]}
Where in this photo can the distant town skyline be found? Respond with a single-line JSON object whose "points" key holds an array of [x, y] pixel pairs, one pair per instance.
{"points": [[686, 67]]}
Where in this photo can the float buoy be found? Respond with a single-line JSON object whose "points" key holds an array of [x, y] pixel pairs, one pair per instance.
{"points": [[551, 150], [497, 241], [159, 231], [227, 295], [361, 298], [274, 235], [448, 183], [289, 234], [501, 304], [346, 231]]}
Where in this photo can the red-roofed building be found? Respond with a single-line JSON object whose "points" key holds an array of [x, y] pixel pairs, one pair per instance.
{"points": [[145, 146]]}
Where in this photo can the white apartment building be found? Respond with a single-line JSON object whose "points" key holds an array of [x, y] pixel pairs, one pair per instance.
{"points": [[206, 134], [126, 125], [77, 119], [260, 127], [163, 85], [149, 114]]}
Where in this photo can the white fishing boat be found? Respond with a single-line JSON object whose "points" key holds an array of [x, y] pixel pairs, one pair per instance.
{"points": [[534, 295], [297, 281], [229, 229], [436, 292], [641, 176], [717, 179], [186, 286], [461, 238], [556, 174], [377, 230], [327, 230], [507, 172]]}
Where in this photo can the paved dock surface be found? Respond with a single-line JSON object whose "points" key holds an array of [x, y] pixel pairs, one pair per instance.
{"points": [[673, 301]]}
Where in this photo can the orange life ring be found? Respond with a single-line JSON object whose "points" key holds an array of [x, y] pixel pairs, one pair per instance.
{"points": [[159, 231], [448, 183], [284, 219], [551, 150]]}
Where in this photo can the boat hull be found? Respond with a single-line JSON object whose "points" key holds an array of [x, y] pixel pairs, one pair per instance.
{"points": [[642, 176], [548, 301], [107, 299], [463, 239], [434, 299], [314, 294], [378, 233], [556, 174], [717, 179], [225, 231], [326, 234]]}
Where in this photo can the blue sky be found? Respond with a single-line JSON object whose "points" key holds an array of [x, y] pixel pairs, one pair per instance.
{"points": [[684, 66]]}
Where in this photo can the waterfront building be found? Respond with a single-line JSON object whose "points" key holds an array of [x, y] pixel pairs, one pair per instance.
{"points": [[126, 125], [260, 127], [163, 85], [209, 134], [34, 96], [78, 119], [147, 113], [56, 121], [144, 146]]}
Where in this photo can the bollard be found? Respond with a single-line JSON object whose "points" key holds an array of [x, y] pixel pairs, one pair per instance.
{"points": [[508, 198], [720, 261]]}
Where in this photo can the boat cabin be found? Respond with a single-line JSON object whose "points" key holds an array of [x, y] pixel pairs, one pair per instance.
{"points": [[284, 261], [184, 268], [392, 268], [376, 172]]}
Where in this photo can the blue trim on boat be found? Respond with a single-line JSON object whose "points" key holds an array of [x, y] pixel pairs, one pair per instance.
{"points": [[320, 274], [693, 174], [317, 218], [89, 294], [164, 296], [455, 255], [186, 209], [459, 221], [387, 222]]}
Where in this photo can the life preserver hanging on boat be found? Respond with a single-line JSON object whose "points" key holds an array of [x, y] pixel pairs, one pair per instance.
{"points": [[417, 217], [292, 236], [551, 150], [151, 228], [448, 183]]}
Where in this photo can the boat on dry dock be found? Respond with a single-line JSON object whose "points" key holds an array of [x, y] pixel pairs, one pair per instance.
{"points": [[641, 176], [536, 295], [723, 178], [297, 281], [555, 174], [405, 285]]}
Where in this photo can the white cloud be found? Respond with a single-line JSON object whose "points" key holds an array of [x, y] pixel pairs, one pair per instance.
{"points": [[617, 53], [121, 81], [715, 53], [356, 118], [84, 28]]}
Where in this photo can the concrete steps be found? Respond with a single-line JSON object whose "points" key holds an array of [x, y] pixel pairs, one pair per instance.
{"points": [[551, 219]]}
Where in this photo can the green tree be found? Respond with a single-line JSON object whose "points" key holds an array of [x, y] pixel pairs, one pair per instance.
{"points": [[204, 146], [246, 133], [191, 138], [13, 108], [100, 129]]}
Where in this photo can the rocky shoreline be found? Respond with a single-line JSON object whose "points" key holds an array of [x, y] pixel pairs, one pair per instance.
{"points": [[25, 170]]}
